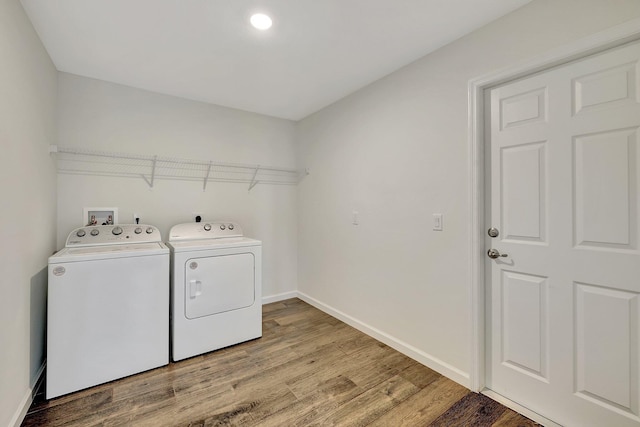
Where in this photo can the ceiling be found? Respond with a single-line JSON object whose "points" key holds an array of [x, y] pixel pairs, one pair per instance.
{"points": [[317, 51]]}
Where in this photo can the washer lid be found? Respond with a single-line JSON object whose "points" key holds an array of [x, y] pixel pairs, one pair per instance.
{"points": [[208, 244], [88, 253]]}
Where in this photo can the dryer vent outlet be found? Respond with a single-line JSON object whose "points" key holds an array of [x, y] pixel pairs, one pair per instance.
{"points": [[197, 216]]}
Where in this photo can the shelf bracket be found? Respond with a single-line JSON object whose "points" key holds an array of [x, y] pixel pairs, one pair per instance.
{"points": [[254, 181], [206, 178], [153, 172]]}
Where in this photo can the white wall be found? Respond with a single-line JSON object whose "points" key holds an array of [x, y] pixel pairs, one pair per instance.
{"points": [[397, 152], [103, 116], [27, 207]]}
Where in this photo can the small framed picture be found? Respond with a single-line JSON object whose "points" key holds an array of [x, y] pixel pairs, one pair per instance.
{"points": [[100, 216]]}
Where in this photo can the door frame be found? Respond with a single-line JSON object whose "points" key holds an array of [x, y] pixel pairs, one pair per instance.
{"points": [[615, 36]]}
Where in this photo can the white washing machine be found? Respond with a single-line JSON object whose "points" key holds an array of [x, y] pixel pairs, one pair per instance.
{"points": [[108, 306], [216, 287]]}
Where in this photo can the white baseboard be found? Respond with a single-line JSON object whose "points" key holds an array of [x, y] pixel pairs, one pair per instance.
{"points": [[39, 381], [519, 408], [27, 400], [426, 359], [279, 297], [21, 412]]}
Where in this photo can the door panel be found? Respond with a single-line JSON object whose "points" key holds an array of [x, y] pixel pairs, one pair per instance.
{"points": [[524, 323], [606, 88], [607, 347], [605, 189], [524, 193], [562, 185], [219, 283], [523, 108]]}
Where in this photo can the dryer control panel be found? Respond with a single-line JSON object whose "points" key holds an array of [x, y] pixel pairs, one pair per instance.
{"points": [[97, 235], [204, 230]]}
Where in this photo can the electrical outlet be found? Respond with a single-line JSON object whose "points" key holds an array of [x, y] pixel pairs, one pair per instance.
{"points": [[196, 215]]}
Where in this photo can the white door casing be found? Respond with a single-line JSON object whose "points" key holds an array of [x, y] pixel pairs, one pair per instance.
{"points": [[563, 308]]}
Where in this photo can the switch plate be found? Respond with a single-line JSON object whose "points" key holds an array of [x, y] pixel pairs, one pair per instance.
{"points": [[437, 222], [356, 218]]}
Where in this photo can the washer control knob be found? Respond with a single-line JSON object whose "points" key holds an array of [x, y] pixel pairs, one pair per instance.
{"points": [[95, 232], [117, 231], [149, 230], [230, 227], [222, 227], [207, 227], [138, 230], [81, 233]]}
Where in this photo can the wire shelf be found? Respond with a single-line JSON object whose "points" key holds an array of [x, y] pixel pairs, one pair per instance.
{"points": [[102, 163]]}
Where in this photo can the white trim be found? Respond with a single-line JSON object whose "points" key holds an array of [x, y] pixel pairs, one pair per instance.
{"points": [[598, 42], [22, 409], [27, 400], [476, 241], [534, 416], [279, 297], [426, 359], [612, 37], [39, 382]]}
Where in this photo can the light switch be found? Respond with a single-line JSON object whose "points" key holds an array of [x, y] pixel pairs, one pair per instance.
{"points": [[437, 222], [356, 218]]}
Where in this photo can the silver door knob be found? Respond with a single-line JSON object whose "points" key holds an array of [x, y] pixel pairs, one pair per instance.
{"points": [[494, 253]]}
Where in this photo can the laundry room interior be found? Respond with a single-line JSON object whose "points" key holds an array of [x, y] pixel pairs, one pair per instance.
{"points": [[379, 165]]}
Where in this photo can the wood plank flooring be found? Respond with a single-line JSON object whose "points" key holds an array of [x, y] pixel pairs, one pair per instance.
{"points": [[308, 369]]}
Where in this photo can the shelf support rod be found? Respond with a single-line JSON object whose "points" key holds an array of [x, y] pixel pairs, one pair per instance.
{"points": [[153, 172], [253, 179], [304, 173], [206, 178]]}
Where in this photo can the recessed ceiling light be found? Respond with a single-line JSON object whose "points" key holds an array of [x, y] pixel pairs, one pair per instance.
{"points": [[261, 21]]}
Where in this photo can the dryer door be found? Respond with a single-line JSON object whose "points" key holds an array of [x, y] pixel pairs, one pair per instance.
{"points": [[219, 283]]}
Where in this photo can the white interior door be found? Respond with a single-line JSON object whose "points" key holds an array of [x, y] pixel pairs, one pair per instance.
{"points": [[563, 325]]}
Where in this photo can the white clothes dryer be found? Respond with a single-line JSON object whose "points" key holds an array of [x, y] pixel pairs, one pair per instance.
{"points": [[108, 306], [216, 287]]}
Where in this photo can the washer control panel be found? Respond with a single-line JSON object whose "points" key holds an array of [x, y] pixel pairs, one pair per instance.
{"points": [[96, 235], [205, 230]]}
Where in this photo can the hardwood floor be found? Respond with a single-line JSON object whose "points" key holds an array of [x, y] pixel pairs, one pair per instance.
{"points": [[308, 369]]}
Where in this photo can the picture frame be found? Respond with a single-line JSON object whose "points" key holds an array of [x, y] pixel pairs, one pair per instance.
{"points": [[99, 216]]}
